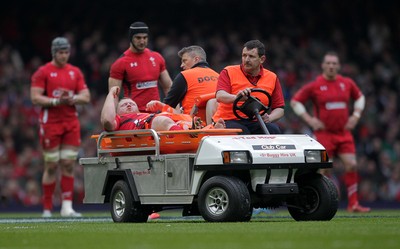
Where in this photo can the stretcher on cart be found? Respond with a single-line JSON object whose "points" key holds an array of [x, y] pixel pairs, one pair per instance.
{"points": [[136, 142]]}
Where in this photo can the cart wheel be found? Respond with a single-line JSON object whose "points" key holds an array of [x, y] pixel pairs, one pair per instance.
{"points": [[223, 199], [317, 200], [123, 208]]}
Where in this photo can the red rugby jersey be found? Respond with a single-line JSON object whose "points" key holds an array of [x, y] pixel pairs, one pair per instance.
{"points": [[330, 100], [55, 80], [131, 121], [139, 73]]}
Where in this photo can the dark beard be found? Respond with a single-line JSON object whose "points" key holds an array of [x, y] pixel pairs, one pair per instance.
{"points": [[137, 49]]}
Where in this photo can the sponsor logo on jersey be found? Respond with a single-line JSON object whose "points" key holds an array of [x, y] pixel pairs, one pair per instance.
{"points": [[323, 88], [335, 105], [53, 74], [146, 84], [133, 64], [60, 91]]}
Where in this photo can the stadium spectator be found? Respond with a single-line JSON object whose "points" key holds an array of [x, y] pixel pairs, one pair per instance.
{"points": [[330, 94], [58, 87], [238, 80], [139, 70]]}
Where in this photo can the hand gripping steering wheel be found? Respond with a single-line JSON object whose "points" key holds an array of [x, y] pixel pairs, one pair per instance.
{"points": [[252, 107]]}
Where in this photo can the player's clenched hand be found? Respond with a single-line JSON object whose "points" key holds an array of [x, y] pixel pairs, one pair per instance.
{"points": [[154, 106], [66, 98], [115, 90]]}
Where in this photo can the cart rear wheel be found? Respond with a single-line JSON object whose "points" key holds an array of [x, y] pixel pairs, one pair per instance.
{"points": [[123, 208]]}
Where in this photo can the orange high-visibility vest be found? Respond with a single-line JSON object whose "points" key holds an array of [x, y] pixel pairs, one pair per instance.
{"points": [[240, 82], [200, 81]]}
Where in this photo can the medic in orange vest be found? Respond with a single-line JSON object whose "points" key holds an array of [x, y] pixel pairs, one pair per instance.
{"points": [[196, 79]]}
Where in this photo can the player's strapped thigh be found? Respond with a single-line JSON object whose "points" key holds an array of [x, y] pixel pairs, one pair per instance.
{"points": [[51, 156], [69, 154], [56, 155]]}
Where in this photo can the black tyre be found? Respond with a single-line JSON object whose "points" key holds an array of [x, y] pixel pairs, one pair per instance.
{"points": [[317, 200], [223, 199], [123, 208]]}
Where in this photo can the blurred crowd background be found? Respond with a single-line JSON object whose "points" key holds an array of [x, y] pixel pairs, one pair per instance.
{"points": [[366, 34]]}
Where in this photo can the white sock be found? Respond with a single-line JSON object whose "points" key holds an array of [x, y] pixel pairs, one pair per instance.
{"points": [[66, 205]]}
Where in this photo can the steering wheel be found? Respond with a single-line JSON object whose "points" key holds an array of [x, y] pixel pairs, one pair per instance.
{"points": [[252, 107]]}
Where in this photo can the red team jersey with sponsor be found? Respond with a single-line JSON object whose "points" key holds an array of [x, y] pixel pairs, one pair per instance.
{"points": [[54, 81], [137, 121], [131, 121], [331, 100], [139, 73]]}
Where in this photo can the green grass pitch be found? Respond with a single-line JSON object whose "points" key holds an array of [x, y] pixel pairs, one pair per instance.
{"points": [[379, 229]]}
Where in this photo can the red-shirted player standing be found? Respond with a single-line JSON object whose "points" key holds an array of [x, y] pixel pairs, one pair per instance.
{"points": [[57, 87], [331, 94], [139, 70]]}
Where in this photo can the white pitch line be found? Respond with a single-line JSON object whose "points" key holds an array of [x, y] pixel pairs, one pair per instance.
{"points": [[50, 220]]}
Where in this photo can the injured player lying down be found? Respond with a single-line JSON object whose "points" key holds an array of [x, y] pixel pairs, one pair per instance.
{"points": [[124, 115]]}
